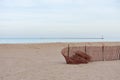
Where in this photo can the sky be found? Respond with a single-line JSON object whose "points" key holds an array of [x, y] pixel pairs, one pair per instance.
{"points": [[59, 18]]}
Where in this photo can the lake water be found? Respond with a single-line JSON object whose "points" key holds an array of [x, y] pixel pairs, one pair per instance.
{"points": [[34, 40]]}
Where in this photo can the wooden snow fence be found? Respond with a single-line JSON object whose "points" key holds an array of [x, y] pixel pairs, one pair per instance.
{"points": [[99, 51]]}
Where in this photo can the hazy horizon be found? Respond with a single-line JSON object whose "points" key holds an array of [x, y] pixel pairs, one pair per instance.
{"points": [[59, 18]]}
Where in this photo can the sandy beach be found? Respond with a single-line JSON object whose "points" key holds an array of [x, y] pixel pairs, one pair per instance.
{"points": [[45, 62]]}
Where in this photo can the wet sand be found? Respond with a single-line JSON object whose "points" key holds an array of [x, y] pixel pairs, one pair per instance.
{"points": [[45, 62]]}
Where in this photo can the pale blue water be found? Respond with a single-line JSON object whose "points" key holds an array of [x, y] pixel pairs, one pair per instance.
{"points": [[37, 40]]}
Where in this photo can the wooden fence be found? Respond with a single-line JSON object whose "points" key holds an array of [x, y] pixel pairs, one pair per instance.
{"points": [[99, 51]]}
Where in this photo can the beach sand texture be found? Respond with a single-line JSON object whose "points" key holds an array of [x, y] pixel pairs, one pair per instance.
{"points": [[45, 62]]}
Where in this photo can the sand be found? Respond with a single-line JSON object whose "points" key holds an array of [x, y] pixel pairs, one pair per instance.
{"points": [[45, 62]]}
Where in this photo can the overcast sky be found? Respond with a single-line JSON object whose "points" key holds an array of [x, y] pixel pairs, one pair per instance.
{"points": [[46, 18]]}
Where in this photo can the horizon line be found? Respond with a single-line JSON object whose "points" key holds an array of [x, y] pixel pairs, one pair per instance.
{"points": [[52, 38]]}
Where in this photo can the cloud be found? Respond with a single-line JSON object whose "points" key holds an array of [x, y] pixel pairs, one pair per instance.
{"points": [[17, 3], [56, 1], [31, 3], [65, 17], [95, 2]]}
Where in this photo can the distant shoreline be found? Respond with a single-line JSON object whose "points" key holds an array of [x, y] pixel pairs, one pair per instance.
{"points": [[51, 38]]}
